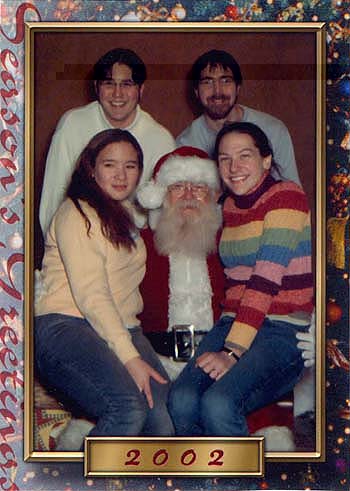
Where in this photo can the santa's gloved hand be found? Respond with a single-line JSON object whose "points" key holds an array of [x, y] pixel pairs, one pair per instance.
{"points": [[307, 344]]}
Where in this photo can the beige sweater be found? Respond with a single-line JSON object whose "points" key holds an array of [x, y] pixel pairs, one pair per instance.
{"points": [[87, 277]]}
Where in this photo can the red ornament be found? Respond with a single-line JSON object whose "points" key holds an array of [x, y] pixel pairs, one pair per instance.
{"points": [[232, 12], [334, 312], [264, 485]]}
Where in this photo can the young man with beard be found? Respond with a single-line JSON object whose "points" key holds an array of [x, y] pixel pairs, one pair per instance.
{"points": [[217, 79], [119, 77]]}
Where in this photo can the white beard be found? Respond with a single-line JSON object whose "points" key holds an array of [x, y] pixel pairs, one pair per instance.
{"points": [[187, 240], [191, 235]]}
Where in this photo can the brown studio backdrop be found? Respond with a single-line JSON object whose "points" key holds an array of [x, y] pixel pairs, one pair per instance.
{"points": [[278, 71]]}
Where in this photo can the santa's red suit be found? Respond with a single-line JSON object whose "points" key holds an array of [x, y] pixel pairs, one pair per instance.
{"points": [[157, 294], [155, 287]]}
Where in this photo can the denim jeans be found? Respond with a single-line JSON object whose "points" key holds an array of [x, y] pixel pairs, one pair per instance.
{"points": [[72, 358], [271, 367]]}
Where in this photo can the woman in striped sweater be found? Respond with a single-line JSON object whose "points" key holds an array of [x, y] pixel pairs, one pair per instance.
{"points": [[250, 357]]}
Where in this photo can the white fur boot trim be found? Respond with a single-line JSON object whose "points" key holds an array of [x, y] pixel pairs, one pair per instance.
{"points": [[277, 438], [72, 437], [304, 393]]}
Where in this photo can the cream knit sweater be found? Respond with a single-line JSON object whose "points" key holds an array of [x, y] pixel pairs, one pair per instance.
{"points": [[87, 277]]}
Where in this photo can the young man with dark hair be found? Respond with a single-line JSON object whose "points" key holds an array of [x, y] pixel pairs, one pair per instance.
{"points": [[119, 77]]}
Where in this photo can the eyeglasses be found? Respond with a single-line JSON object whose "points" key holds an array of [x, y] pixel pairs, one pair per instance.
{"points": [[210, 81], [111, 84], [198, 190]]}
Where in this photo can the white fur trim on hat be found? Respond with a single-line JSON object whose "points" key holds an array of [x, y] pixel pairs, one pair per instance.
{"points": [[177, 168], [151, 195], [192, 168]]}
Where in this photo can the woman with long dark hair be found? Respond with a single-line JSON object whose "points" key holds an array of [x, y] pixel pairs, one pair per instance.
{"points": [[250, 357], [88, 341]]}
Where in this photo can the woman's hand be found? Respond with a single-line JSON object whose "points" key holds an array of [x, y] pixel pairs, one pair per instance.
{"points": [[141, 372], [215, 364]]}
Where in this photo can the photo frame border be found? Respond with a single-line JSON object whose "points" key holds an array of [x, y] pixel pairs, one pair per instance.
{"points": [[320, 215]]}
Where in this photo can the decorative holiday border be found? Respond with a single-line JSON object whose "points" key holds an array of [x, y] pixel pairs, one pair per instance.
{"points": [[333, 474]]}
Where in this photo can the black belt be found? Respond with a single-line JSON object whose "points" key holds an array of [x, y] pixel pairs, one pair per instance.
{"points": [[180, 343]]}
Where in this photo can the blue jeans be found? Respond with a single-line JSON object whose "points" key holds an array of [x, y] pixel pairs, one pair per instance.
{"points": [[72, 358], [271, 367]]}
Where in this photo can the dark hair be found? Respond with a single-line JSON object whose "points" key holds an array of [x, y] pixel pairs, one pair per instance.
{"points": [[103, 67], [260, 139], [116, 223], [215, 58]]}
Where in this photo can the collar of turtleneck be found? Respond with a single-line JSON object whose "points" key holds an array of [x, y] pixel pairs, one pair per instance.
{"points": [[247, 200]]}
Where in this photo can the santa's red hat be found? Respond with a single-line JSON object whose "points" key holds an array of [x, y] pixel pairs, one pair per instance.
{"points": [[185, 164]]}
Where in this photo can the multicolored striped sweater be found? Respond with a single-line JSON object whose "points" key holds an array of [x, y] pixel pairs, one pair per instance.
{"points": [[266, 251]]}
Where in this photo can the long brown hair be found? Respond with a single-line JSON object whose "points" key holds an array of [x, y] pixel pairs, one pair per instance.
{"points": [[116, 223]]}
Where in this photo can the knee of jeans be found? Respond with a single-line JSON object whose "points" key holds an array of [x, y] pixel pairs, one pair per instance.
{"points": [[218, 406], [134, 406]]}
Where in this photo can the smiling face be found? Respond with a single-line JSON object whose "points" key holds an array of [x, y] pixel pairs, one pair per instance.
{"points": [[119, 96], [217, 91], [241, 165], [117, 170]]}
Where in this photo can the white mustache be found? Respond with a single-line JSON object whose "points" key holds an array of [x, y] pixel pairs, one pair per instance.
{"points": [[193, 203]]}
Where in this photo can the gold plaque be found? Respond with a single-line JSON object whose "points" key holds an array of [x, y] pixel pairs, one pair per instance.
{"points": [[243, 456]]}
